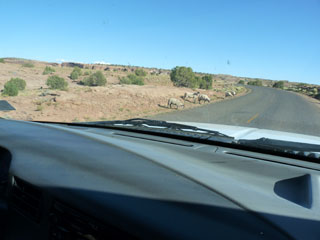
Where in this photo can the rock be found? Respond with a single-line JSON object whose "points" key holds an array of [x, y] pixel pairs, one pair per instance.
{"points": [[72, 64]]}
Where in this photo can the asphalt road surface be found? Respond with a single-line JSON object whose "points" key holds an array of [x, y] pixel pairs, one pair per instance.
{"points": [[262, 108]]}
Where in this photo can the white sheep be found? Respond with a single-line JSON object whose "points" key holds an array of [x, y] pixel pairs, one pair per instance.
{"points": [[191, 95], [204, 98], [175, 102], [229, 94]]}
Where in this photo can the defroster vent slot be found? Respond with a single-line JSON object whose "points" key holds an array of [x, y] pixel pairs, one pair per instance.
{"points": [[26, 199]]}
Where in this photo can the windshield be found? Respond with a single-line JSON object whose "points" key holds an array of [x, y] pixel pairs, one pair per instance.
{"points": [[251, 64]]}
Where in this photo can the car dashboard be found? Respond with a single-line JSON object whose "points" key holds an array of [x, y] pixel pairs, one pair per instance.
{"points": [[70, 182]]}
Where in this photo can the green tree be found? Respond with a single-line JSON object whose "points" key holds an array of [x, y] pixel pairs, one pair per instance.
{"points": [[206, 82], [140, 72], [241, 82], [95, 79], [1, 60], [279, 84], [195, 82], [48, 70], [183, 77], [56, 82], [10, 89]]}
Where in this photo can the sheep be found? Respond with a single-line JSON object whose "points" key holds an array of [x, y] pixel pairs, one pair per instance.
{"points": [[229, 94], [191, 95], [204, 98], [176, 102]]}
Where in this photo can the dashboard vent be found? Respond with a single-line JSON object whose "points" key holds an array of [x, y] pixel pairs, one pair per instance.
{"points": [[68, 223], [26, 199]]}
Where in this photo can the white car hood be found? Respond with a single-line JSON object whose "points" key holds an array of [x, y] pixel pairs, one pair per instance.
{"points": [[255, 133]]}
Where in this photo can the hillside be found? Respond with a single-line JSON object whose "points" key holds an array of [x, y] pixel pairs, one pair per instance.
{"points": [[84, 103]]}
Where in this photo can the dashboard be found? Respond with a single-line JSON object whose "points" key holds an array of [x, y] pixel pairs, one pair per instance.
{"points": [[69, 182]]}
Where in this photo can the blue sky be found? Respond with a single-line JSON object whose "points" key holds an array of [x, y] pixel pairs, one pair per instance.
{"points": [[275, 39]]}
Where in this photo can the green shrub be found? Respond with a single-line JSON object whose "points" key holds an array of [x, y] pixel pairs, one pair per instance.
{"points": [[75, 73], [137, 81], [241, 82], [86, 73], [183, 77], [140, 72], [279, 84], [95, 79], [48, 70], [78, 70], [206, 82], [28, 65], [1, 60], [255, 83], [125, 80], [56, 82], [132, 79], [10, 89], [39, 108], [317, 96], [20, 83]]}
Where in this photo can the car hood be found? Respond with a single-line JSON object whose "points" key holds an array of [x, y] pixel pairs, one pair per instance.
{"points": [[248, 133]]}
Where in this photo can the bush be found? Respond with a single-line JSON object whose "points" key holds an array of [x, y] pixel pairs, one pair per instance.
{"points": [[279, 84], [241, 82], [78, 70], [28, 65], [317, 96], [56, 82], [75, 73], [206, 82], [125, 80], [48, 70], [20, 83], [132, 79], [140, 72], [183, 77], [255, 83], [87, 73], [95, 79], [10, 89], [1, 60]]}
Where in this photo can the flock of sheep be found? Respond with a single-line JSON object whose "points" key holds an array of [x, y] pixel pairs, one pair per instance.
{"points": [[195, 96]]}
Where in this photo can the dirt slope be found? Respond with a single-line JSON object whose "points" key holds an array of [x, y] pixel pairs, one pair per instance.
{"points": [[81, 103]]}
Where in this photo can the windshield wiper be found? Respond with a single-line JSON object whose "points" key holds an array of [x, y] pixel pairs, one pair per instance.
{"points": [[297, 150], [287, 147], [165, 127]]}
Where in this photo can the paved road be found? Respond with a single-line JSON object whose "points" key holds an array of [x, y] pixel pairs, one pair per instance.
{"points": [[263, 108]]}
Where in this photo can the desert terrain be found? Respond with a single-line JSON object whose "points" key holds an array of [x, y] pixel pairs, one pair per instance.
{"points": [[110, 102]]}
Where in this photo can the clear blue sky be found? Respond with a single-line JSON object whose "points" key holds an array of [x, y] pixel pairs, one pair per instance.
{"points": [[276, 39]]}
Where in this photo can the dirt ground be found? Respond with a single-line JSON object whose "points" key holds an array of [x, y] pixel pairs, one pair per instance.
{"points": [[81, 103]]}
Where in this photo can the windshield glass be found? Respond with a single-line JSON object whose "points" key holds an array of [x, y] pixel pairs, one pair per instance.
{"points": [[252, 64]]}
